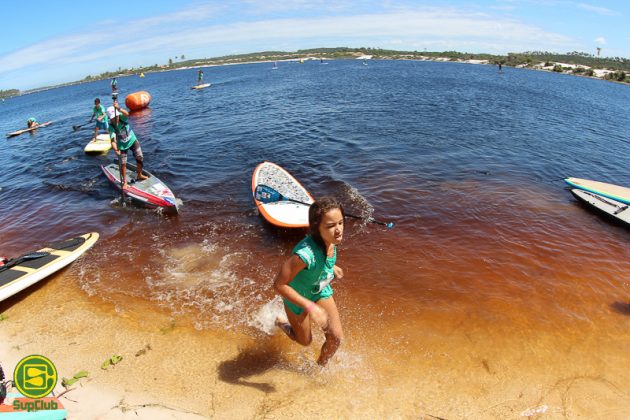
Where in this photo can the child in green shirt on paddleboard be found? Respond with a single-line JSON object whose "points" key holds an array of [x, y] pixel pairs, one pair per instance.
{"points": [[31, 123], [101, 117], [304, 280], [123, 138]]}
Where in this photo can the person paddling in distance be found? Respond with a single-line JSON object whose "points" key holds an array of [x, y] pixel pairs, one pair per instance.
{"points": [[304, 280], [101, 117], [123, 138], [32, 123]]}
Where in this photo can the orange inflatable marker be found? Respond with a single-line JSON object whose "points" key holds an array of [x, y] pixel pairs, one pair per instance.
{"points": [[137, 100]]}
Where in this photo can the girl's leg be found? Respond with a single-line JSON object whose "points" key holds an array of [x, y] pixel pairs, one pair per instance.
{"points": [[299, 327], [334, 333]]}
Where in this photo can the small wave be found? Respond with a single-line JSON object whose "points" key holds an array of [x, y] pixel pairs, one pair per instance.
{"points": [[88, 280]]}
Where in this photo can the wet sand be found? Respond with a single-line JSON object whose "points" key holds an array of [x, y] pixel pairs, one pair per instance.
{"points": [[439, 368]]}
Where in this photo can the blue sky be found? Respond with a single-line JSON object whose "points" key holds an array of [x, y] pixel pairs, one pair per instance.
{"points": [[48, 42]]}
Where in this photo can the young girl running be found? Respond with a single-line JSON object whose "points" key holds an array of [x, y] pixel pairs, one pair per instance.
{"points": [[303, 280]]}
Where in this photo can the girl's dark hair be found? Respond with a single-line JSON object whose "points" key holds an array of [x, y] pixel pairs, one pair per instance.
{"points": [[316, 213]]}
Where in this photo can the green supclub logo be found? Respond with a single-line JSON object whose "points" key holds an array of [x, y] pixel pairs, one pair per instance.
{"points": [[35, 376]]}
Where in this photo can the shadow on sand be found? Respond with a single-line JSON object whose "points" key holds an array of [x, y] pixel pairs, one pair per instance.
{"points": [[621, 307], [251, 362]]}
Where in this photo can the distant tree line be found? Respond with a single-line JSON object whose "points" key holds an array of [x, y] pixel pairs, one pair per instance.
{"points": [[620, 66], [8, 93], [575, 57], [511, 59]]}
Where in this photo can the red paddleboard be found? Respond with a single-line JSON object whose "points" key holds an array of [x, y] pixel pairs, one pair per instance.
{"points": [[149, 193]]}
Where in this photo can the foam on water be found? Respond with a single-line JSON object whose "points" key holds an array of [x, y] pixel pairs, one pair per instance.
{"points": [[264, 319], [199, 281], [88, 279]]}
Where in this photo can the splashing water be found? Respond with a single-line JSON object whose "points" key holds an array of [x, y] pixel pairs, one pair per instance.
{"points": [[200, 280], [264, 319]]}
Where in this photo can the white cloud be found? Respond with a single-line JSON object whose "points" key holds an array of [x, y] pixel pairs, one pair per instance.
{"points": [[410, 24], [54, 50], [599, 10], [600, 40], [262, 7], [193, 14], [195, 29]]}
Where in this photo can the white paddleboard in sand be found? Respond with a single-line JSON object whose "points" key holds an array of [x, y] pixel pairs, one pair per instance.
{"points": [[615, 209]]}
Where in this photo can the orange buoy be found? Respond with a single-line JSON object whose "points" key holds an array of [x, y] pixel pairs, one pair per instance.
{"points": [[137, 100]]}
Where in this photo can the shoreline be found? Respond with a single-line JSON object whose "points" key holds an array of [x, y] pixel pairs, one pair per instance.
{"points": [[599, 74], [172, 370]]}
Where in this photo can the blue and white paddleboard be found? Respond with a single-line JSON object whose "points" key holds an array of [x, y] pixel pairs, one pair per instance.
{"points": [[614, 192]]}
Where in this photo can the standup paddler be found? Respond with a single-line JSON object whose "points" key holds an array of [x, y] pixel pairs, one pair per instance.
{"points": [[304, 280], [199, 77], [123, 138], [101, 117]]}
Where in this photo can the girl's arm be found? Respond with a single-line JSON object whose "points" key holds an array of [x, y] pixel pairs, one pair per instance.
{"points": [[287, 272]]}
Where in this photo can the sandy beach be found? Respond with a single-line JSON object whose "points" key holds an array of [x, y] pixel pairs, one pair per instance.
{"points": [[171, 370]]}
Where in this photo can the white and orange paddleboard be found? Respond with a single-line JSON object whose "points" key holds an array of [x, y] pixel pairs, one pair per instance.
{"points": [[283, 213]]}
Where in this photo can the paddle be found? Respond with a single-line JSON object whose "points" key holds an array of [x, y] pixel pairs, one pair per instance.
{"points": [[266, 194], [16, 261], [120, 171], [603, 200], [76, 127]]}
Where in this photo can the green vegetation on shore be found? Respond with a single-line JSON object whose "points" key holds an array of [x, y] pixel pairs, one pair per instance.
{"points": [[8, 93], [581, 63]]}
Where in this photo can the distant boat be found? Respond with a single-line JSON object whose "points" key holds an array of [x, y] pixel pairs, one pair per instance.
{"points": [[275, 66], [364, 63], [301, 61], [141, 74]]}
